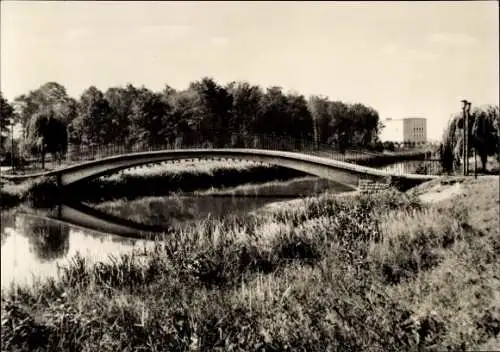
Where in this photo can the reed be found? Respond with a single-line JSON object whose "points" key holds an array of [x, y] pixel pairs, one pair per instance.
{"points": [[360, 272]]}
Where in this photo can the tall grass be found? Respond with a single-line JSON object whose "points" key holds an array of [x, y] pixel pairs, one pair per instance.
{"points": [[378, 273]]}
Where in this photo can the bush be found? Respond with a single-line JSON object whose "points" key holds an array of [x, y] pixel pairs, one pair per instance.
{"points": [[8, 199], [389, 146], [43, 193], [422, 169]]}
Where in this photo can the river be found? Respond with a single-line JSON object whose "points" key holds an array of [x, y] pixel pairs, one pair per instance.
{"points": [[33, 246]]}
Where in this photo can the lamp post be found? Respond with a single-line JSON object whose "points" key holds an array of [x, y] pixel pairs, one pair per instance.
{"points": [[465, 108], [12, 144], [468, 142]]}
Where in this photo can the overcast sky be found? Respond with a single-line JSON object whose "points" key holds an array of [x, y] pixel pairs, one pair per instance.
{"points": [[402, 58]]}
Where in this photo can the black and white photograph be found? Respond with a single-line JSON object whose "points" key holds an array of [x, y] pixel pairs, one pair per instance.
{"points": [[249, 176]]}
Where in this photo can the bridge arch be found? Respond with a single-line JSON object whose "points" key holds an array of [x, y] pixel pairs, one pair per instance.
{"points": [[337, 171]]}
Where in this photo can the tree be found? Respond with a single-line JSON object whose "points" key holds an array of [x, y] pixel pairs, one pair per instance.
{"points": [[364, 123], [485, 132], [483, 135], [245, 108], [50, 95], [215, 107], [120, 102], [94, 124], [46, 134], [340, 127], [6, 118], [206, 111], [318, 106], [171, 124], [149, 118], [299, 117], [186, 115], [273, 117]]}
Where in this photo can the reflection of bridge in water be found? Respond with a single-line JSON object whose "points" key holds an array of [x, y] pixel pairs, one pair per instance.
{"points": [[81, 215]]}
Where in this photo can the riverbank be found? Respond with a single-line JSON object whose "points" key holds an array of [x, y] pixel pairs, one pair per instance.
{"points": [[175, 210], [158, 180], [37, 193], [361, 272], [167, 181]]}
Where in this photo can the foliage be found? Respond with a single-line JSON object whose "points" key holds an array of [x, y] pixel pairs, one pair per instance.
{"points": [[206, 112], [246, 98], [46, 133], [120, 102], [50, 95], [383, 273], [42, 192], [344, 125], [93, 124], [483, 134], [389, 146], [8, 199], [214, 107], [149, 117], [7, 115]]}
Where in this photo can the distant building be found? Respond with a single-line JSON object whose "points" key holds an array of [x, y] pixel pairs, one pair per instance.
{"points": [[406, 130]]}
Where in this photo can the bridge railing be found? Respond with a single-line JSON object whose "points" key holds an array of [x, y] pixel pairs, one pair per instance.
{"points": [[81, 153], [84, 153]]}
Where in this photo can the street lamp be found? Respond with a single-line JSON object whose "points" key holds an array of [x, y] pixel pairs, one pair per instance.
{"points": [[12, 144], [466, 109]]}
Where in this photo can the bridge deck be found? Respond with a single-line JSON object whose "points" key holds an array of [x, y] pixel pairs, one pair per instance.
{"points": [[315, 165]]}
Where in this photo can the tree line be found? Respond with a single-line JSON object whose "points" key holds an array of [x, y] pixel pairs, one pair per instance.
{"points": [[222, 115], [483, 135]]}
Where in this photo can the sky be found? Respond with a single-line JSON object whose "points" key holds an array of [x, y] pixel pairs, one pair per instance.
{"points": [[404, 59]]}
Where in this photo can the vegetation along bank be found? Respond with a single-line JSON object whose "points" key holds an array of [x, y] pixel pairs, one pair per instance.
{"points": [[388, 272]]}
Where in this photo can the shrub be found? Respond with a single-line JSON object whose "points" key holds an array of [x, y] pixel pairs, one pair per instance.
{"points": [[43, 193], [9, 199]]}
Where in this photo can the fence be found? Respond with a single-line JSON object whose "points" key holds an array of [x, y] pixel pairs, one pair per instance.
{"points": [[82, 153], [424, 167]]}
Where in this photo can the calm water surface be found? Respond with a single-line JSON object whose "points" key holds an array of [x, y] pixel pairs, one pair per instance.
{"points": [[34, 246]]}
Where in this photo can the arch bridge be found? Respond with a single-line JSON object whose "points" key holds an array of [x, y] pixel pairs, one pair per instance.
{"points": [[344, 173]]}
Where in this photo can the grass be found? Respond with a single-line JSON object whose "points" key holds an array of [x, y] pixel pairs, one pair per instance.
{"points": [[297, 187], [193, 166], [379, 273]]}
